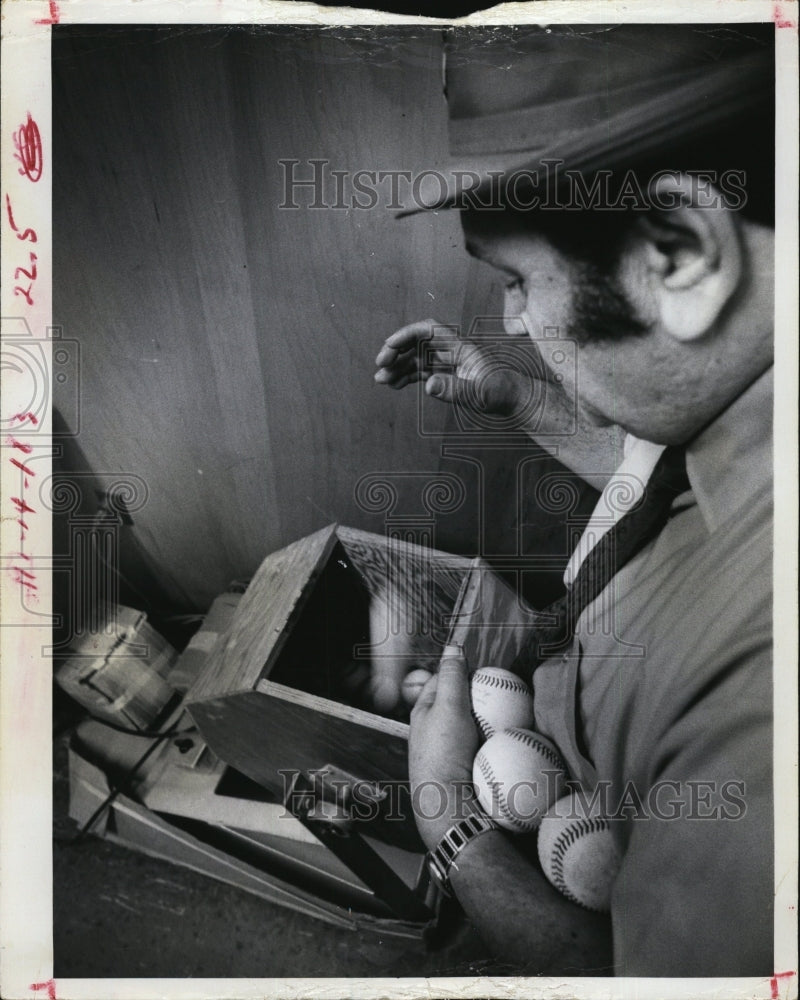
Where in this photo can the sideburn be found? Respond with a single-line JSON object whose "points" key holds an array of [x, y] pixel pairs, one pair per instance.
{"points": [[601, 311]]}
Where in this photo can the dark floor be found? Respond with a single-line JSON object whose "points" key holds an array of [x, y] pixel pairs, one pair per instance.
{"points": [[117, 913]]}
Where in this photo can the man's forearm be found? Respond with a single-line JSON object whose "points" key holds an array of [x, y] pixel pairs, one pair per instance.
{"points": [[522, 918]]}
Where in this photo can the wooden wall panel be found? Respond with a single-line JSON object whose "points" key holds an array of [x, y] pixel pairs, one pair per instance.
{"points": [[321, 321], [227, 346], [227, 343]]}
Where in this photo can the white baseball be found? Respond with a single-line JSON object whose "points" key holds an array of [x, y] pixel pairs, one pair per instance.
{"points": [[578, 854], [500, 700], [517, 775], [413, 683]]}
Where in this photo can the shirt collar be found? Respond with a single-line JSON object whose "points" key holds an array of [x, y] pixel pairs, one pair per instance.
{"points": [[622, 492], [731, 461]]}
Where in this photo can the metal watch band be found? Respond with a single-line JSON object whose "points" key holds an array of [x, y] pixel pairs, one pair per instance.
{"points": [[441, 858]]}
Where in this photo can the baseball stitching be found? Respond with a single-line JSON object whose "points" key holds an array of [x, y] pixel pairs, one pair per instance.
{"points": [[564, 841], [486, 729], [522, 737], [491, 680], [494, 784]]}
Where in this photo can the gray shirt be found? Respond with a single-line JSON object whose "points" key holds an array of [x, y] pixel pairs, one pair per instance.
{"points": [[663, 709]]}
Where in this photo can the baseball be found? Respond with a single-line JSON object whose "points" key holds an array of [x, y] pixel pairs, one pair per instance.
{"points": [[517, 775], [578, 854], [500, 700], [413, 683]]}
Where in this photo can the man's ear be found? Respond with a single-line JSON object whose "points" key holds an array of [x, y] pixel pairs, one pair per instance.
{"points": [[693, 249]]}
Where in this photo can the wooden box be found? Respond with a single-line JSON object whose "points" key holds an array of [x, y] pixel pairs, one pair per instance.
{"points": [[273, 696], [121, 671]]}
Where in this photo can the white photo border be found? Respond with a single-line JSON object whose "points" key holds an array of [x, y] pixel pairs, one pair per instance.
{"points": [[26, 956]]}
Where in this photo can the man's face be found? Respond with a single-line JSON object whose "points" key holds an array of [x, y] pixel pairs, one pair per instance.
{"points": [[546, 288]]}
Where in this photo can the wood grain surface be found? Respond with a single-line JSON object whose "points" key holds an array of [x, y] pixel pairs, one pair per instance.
{"points": [[275, 729], [227, 345], [264, 617]]}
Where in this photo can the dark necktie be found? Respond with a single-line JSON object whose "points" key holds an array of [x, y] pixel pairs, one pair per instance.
{"points": [[617, 547]]}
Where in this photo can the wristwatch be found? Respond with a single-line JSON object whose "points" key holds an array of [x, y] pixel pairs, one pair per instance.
{"points": [[441, 858]]}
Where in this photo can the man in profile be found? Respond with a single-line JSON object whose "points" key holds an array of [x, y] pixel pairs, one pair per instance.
{"points": [[621, 178]]}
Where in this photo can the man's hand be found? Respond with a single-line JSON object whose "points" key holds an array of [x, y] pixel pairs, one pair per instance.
{"points": [[458, 371], [473, 376], [442, 745], [522, 918], [401, 644]]}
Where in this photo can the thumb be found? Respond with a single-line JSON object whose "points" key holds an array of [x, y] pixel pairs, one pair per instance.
{"points": [[464, 393], [453, 686], [495, 390], [427, 697]]}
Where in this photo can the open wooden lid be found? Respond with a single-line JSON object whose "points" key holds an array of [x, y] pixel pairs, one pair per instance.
{"points": [[274, 598]]}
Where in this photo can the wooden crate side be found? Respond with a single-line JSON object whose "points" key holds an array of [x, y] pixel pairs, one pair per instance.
{"points": [[334, 709], [377, 556], [413, 591], [278, 729], [264, 617]]}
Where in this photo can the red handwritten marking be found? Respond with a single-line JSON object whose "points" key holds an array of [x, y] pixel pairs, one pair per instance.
{"points": [[781, 21], [26, 449], [22, 417], [31, 275], [55, 15], [24, 555], [774, 982], [22, 524], [22, 507], [25, 292], [28, 143], [29, 234], [24, 468], [50, 986]]}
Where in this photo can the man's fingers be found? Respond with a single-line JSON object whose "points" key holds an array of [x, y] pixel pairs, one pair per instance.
{"points": [[388, 356], [402, 365], [386, 376], [439, 356], [454, 370], [444, 351], [409, 336], [407, 341], [404, 380]]}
